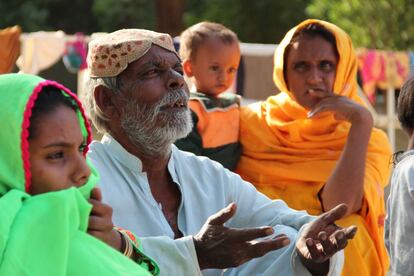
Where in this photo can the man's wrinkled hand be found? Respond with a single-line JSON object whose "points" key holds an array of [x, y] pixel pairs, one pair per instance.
{"points": [[221, 247], [322, 238]]}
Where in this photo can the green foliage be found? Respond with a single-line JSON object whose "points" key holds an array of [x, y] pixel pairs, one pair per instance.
{"points": [[27, 14], [380, 24], [117, 14], [259, 21], [72, 16]]}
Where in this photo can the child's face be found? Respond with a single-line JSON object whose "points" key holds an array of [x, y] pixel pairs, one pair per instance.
{"points": [[56, 152], [214, 66]]}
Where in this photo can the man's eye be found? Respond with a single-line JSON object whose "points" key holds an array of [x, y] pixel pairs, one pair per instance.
{"points": [[151, 72], [55, 155], [214, 68], [180, 71]]}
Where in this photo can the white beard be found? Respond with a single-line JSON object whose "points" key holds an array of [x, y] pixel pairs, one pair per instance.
{"points": [[153, 131]]}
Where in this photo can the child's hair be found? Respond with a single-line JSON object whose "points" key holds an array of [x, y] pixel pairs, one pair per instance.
{"points": [[48, 100], [405, 105], [396, 157], [194, 36]]}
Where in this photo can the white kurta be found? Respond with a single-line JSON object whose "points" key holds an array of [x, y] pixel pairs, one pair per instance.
{"points": [[399, 223], [206, 187]]}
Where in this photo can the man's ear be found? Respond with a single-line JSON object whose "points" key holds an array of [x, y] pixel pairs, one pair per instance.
{"points": [[104, 99], [187, 67]]}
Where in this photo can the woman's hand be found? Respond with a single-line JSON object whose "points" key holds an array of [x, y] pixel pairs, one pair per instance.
{"points": [[342, 107], [100, 221]]}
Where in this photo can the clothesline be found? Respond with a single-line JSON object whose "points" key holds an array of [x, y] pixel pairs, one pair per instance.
{"points": [[386, 70], [378, 69]]}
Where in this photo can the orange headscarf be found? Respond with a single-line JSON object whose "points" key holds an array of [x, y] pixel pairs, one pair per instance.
{"points": [[288, 156]]}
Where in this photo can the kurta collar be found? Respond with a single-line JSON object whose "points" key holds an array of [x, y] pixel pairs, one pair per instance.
{"points": [[129, 160]]}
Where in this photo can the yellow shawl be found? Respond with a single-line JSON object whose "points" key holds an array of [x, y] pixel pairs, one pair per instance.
{"points": [[287, 156]]}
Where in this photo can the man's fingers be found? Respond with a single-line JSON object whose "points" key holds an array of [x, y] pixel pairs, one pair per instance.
{"points": [[350, 232], [260, 248], [315, 253], [329, 246], [223, 215], [334, 214], [339, 239], [251, 233]]}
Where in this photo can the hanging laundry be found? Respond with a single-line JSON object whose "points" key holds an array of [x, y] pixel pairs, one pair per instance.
{"points": [[411, 55], [74, 57], [397, 69], [41, 50], [382, 69], [10, 48]]}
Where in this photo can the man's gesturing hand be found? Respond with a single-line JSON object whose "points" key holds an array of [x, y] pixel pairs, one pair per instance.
{"points": [[218, 246], [322, 238]]}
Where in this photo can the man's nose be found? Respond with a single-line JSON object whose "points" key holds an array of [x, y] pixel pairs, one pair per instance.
{"points": [[175, 80]]}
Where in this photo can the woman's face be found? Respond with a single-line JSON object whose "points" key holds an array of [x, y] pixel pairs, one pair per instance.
{"points": [[56, 152], [311, 65]]}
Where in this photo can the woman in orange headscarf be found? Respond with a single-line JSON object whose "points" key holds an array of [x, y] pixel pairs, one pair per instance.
{"points": [[314, 146]]}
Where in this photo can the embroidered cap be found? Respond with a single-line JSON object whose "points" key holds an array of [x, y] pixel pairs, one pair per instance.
{"points": [[110, 54]]}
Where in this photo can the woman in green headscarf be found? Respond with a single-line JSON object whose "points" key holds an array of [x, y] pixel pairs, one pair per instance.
{"points": [[49, 208]]}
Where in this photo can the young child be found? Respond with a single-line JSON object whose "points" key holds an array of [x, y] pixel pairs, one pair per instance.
{"points": [[399, 223], [211, 56], [45, 184]]}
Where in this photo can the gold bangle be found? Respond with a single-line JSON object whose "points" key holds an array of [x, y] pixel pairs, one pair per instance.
{"points": [[128, 250]]}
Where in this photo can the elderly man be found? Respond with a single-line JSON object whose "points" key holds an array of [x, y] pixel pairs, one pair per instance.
{"points": [[192, 214]]}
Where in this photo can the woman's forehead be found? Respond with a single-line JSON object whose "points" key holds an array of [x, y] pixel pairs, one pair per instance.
{"points": [[312, 47]]}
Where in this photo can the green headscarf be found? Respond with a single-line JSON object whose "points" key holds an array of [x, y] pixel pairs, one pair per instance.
{"points": [[45, 234]]}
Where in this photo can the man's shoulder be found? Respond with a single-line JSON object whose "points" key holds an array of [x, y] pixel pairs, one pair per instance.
{"points": [[96, 148], [201, 164], [185, 156]]}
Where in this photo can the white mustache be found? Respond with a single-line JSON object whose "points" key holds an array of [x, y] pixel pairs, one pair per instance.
{"points": [[178, 96]]}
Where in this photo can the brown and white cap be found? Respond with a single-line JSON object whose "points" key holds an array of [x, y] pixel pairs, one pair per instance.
{"points": [[110, 54]]}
